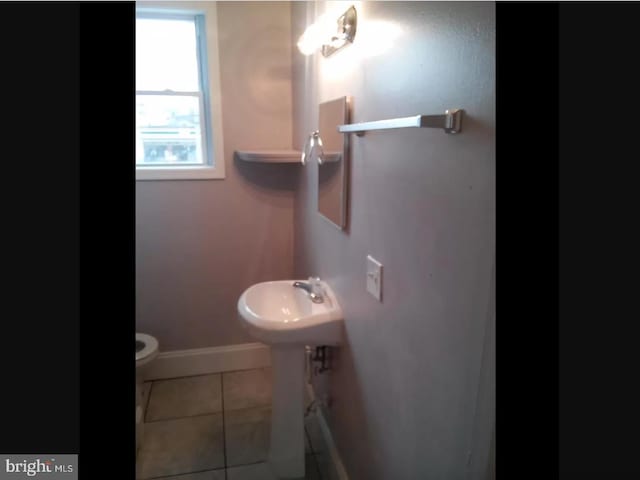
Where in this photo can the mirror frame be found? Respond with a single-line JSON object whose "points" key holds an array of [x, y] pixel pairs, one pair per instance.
{"points": [[343, 118]]}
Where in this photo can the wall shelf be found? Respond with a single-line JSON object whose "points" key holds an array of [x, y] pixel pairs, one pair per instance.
{"points": [[269, 156]]}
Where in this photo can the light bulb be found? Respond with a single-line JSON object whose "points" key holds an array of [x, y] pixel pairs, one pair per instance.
{"points": [[315, 35]]}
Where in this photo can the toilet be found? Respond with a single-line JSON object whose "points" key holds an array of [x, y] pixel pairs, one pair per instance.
{"points": [[146, 351]]}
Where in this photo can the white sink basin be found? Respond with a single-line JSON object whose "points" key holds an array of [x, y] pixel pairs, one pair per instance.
{"points": [[278, 313], [283, 316]]}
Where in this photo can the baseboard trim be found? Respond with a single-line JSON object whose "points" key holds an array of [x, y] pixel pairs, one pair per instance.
{"points": [[328, 438], [202, 361]]}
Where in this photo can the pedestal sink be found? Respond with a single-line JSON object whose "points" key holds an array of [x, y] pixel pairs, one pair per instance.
{"points": [[285, 317]]}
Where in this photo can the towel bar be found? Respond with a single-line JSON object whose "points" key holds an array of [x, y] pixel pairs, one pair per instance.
{"points": [[450, 122]]}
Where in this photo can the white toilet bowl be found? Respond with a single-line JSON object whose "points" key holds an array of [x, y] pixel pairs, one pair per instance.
{"points": [[146, 351]]}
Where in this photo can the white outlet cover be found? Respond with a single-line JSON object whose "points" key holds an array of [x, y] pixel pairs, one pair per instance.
{"points": [[374, 277]]}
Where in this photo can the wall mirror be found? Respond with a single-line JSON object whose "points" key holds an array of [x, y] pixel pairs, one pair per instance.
{"points": [[333, 162]]}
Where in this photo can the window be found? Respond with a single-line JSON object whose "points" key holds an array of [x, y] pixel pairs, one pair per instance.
{"points": [[178, 130]]}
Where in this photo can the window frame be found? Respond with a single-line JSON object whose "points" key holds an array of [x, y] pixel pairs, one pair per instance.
{"points": [[204, 17]]}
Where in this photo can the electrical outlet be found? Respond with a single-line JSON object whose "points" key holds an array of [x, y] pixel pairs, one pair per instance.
{"points": [[374, 277]]}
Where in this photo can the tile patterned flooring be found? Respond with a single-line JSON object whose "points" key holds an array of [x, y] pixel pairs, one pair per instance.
{"points": [[216, 427]]}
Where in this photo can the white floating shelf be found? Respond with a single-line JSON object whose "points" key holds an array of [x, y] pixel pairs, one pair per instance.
{"points": [[269, 156]]}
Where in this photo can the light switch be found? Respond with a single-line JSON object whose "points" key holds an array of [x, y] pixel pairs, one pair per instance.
{"points": [[374, 277]]}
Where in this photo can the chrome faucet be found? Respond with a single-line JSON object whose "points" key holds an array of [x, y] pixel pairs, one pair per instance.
{"points": [[313, 293]]}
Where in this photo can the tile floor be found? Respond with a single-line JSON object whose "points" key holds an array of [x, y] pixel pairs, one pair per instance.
{"points": [[216, 427]]}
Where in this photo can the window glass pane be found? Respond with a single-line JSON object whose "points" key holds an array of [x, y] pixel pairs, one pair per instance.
{"points": [[166, 55], [168, 130]]}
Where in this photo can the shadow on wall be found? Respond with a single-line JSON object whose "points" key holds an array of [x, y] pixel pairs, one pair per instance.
{"points": [[276, 177], [343, 366], [477, 126]]}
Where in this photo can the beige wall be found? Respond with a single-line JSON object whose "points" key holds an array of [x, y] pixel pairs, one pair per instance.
{"points": [[200, 243], [412, 390]]}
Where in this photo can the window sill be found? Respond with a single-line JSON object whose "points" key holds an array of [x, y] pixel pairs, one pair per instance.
{"points": [[178, 173]]}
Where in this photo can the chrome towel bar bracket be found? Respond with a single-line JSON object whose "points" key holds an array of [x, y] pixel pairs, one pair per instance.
{"points": [[450, 122]]}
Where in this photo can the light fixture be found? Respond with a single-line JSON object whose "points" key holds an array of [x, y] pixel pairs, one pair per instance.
{"points": [[328, 35]]}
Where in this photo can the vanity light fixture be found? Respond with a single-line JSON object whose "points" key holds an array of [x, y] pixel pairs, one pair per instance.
{"points": [[329, 36]]}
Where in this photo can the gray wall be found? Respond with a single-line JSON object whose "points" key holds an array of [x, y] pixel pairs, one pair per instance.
{"points": [[199, 244], [412, 390]]}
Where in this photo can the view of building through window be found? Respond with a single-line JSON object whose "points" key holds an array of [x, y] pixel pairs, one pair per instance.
{"points": [[168, 128]]}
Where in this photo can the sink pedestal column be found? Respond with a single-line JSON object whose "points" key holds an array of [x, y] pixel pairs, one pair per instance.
{"points": [[286, 453]]}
